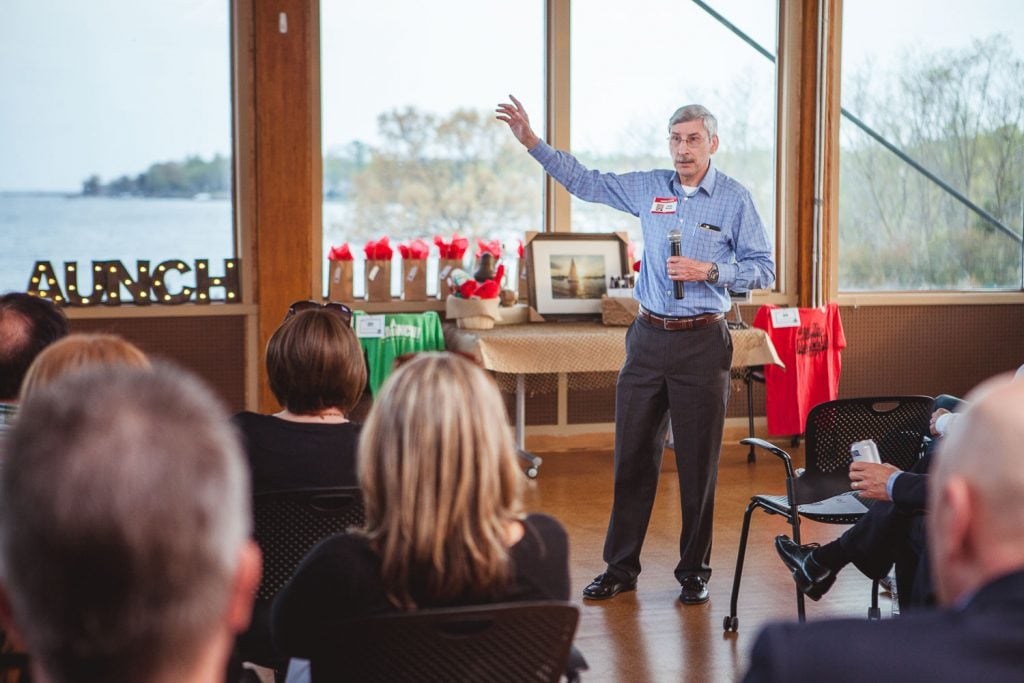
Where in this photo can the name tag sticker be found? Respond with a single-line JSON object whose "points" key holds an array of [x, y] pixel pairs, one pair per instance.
{"points": [[785, 317], [664, 205], [370, 326]]}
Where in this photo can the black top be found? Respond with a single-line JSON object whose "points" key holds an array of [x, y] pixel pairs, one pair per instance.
{"points": [[979, 641], [341, 579], [296, 455]]}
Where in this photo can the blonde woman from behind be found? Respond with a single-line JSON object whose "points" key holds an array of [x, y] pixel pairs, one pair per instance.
{"points": [[445, 525]]}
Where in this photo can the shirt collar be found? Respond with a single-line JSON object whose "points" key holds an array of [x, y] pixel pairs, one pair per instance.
{"points": [[707, 183]]}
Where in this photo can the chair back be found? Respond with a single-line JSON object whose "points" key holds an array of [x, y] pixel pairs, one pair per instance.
{"points": [[508, 642], [288, 524], [898, 424]]}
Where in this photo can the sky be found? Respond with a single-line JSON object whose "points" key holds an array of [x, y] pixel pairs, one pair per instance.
{"points": [[112, 86]]}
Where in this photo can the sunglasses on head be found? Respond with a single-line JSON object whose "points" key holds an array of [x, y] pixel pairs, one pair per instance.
{"points": [[341, 310]]}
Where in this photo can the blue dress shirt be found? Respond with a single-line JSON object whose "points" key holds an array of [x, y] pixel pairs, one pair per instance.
{"points": [[740, 246]]}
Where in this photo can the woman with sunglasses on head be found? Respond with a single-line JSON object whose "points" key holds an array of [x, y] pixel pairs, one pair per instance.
{"points": [[317, 373], [444, 519]]}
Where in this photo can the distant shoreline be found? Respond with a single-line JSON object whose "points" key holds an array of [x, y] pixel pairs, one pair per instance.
{"points": [[52, 194]]}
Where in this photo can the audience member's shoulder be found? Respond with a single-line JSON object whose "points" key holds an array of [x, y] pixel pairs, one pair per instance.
{"points": [[246, 417], [545, 525], [343, 545]]}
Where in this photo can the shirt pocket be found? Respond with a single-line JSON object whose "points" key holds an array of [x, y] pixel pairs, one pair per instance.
{"points": [[711, 245]]}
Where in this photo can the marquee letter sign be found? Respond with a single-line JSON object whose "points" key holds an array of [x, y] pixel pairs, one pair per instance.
{"points": [[113, 283]]}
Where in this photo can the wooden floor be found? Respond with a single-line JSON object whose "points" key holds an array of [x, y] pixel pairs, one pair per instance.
{"points": [[647, 635]]}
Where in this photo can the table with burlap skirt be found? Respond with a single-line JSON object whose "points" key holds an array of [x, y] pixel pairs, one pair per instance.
{"points": [[591, 353]]}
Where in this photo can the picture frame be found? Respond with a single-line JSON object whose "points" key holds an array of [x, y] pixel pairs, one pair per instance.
{"points": [[570, 271]]}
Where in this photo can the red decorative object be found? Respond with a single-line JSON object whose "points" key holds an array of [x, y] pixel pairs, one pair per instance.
{"points": [[342, 253], [452, 249], [378, 250], [492, 247], [414, 249]]}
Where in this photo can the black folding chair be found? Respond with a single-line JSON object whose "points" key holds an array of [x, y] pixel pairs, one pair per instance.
{"points": [[286, 526], [821, 492], [500, 643]]}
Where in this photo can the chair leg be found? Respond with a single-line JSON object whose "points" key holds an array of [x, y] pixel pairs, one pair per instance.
{"points": [[795, 525], [732, 621], [751, 456], [874, 613]]}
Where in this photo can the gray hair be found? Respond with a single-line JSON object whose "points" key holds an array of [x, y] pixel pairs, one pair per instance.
{"points": [[124, 505], [695, 112]]}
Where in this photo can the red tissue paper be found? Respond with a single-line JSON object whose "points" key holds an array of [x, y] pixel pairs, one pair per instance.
{"points": [[342, 253], [454, 248], [414, 249], [492, 247], [471, 289], [378, 250]]}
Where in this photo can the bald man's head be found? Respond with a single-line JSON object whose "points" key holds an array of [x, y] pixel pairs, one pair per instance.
{"points": [[28, 324], [976, 496]]}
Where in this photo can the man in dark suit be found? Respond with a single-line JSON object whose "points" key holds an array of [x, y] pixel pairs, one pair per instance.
{"points": [[890, 533], [976, 547]]}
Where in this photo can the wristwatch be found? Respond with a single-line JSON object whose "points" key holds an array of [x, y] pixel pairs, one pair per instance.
{"points": [[712, 276]]}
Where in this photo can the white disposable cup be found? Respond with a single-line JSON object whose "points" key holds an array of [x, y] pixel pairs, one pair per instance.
{"points": [[865, 451]]}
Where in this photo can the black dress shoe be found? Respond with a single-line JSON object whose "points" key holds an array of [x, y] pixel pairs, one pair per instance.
{"points": [[695, 590], [812, 579], [606, 586]]}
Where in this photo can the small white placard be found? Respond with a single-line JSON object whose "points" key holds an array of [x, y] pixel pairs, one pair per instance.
{"points": [[372, 275], [370, 326], [445, 272], [785, 317], [412, 273]]}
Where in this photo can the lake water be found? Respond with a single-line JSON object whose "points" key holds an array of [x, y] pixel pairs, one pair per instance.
{"points": [[57, 228], [60, 228]]}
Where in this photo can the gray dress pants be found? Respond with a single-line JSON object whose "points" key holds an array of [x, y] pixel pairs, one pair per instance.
{"points": [[683, 374]]}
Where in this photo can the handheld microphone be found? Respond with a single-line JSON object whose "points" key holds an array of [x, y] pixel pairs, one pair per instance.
{"points": [[674, 243]]}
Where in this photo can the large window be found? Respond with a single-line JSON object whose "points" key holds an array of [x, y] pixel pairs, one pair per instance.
{"points": [[410, 143], [932, 146], [115, 135], [635, 63]]}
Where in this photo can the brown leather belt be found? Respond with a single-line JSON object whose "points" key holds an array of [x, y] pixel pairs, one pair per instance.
{"points": [[692, 322]]}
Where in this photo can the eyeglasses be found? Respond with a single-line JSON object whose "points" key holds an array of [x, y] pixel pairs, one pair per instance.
{"points": [[692, 140], [341, 310]]}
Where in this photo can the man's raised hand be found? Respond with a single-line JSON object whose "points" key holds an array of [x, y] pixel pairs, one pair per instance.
{"points": [[518, 122]]}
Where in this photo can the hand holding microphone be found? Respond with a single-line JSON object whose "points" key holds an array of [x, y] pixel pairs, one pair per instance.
{"points": [[676, 249], [682, 269]]}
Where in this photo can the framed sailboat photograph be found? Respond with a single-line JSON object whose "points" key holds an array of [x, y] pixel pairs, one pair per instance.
{"points": [[570, 271]]}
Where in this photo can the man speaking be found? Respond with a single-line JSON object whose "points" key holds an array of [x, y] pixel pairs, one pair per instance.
{"points": [[678, 350]]}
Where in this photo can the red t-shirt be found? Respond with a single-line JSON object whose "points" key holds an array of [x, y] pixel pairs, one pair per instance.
{"points": [[811, 376]]}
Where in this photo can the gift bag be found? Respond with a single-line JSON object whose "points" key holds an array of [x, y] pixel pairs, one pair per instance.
{"points": [[444, 271], [524, 281], [339, 273], [414, 279], [339, 282], [452, 252], [378, 280]]}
